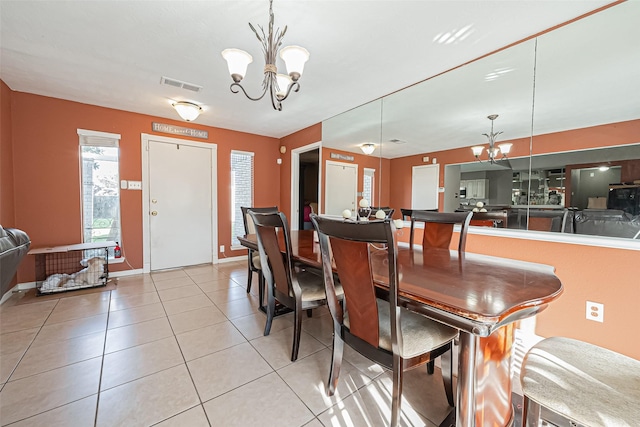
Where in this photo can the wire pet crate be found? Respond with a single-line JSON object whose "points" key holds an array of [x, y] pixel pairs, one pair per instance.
{"points": [[66, 268]]}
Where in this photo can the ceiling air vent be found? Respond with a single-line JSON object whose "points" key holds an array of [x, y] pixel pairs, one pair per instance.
{"points": [[179, 83]]}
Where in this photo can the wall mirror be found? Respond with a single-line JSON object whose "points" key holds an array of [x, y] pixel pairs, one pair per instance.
{"points": [[566, 100]]}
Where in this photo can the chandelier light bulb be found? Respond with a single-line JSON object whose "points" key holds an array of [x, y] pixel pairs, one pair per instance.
{"points": [[294, 58], [283, 84], [237, 61]]}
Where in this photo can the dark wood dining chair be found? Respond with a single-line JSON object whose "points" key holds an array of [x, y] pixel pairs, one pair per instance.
{"points": [[497, 219], [438, 228], [253, 261], [380, 330], [295, 287]]}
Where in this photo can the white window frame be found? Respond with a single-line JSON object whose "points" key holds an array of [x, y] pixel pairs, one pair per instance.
{"points": [[90, 138], [371, 174], [234, 219]]}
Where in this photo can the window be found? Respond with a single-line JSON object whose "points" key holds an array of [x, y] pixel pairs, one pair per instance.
{"points": [[241, 191], [100, 187], [367, 188]]}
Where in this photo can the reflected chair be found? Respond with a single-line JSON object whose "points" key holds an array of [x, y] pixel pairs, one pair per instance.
{"points": [[380, 330], [438, 228], [547, 220], [253, 257], [388, 212], [406, 216], [293, 286], [497, 219]]}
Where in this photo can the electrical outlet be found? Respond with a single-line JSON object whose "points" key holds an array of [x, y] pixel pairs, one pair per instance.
{"points": [[222, 248], [595, 311]]}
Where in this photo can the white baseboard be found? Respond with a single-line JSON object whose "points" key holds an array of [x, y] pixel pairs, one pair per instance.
{"points": [[232, 259], [125, 273]]}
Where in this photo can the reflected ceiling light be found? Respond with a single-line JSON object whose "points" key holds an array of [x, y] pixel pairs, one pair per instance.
{"points": [[187, 110], [279, 86], [493, 151], [368, 148], [603, 168]]}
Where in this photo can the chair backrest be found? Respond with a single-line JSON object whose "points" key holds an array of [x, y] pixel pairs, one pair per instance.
{"points": [[249, 227], [388, 212], [438, 228], [276, 267], [547, 220], [349, 241], [490, 219]]}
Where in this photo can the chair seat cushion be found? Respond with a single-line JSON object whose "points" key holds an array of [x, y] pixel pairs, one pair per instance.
{"points": [[588, 384], [255, 259], [419, 333], [312, 285]]}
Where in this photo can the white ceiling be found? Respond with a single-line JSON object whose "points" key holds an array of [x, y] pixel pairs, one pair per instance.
{"points": [[114, 53]]}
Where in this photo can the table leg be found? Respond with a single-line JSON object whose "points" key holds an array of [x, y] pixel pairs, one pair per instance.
{"points": [[484, 379]]}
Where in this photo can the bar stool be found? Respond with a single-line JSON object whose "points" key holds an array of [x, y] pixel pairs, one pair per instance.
{"points": [[584, 383]]}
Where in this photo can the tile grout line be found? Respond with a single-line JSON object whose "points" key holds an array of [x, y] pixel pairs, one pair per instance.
{"points": [[104, 348]]}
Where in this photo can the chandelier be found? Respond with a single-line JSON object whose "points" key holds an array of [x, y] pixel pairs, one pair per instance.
{"points": [[493, 150], [279, 86]]}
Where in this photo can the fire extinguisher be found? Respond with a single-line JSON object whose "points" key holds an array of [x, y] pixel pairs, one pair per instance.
{"points": [[117, 252]]}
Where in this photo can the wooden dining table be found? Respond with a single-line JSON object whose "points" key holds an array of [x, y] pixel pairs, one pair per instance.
{"points": [[479, 295]]}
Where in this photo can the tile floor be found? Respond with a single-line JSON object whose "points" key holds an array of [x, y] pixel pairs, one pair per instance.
{"points": [[185, 348]]}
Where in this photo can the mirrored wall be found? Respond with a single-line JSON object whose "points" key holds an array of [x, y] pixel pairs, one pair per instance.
{"points": [[568, 103]]}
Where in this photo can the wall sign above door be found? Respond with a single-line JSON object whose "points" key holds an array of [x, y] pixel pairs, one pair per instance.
{"points": [[179, 130], [342, 157]]}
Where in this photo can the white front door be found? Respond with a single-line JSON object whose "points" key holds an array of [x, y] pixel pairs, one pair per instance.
{"points": [[180, 204], [424, 187], [341, 187]]}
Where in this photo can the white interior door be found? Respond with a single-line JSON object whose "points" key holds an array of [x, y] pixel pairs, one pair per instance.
{"points": [[424, 187], [180, 205], [341, 187]]}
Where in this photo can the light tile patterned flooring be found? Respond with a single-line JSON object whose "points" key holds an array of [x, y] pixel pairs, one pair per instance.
{"points": [[185, 347]]}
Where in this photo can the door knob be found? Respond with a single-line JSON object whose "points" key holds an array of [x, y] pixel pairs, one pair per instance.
{"points": [[154, 213]]}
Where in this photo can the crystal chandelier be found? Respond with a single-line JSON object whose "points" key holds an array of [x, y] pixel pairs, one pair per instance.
{"points": [[493, 150], [279, 86]]}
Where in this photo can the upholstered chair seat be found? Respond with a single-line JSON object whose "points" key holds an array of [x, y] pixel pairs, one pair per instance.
{"points": [[418, 331]]}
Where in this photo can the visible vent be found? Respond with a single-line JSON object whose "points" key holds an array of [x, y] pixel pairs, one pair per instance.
{"points": [[397, 141], [178, 83]]}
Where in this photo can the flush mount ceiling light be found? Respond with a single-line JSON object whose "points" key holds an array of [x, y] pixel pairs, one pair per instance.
{"points": [[187, 110], [279, 86], [368, 148], [493, 150]]}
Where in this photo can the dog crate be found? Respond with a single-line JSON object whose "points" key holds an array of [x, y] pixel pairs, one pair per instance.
{"points": [[71, 267]]}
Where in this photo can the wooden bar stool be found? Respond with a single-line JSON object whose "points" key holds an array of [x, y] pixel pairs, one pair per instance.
{"points": [[587, 384]]}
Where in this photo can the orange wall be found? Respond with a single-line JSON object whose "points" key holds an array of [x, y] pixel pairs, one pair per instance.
{"points": [[47, 176], [7, 217], [604, 275], [298, 139]]}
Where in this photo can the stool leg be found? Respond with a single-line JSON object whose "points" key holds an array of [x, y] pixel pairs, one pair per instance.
{"points": [[530, 413]]}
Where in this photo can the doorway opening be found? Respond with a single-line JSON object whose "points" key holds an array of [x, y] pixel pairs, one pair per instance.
{"points": [[308, 187], [305, 183]]}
